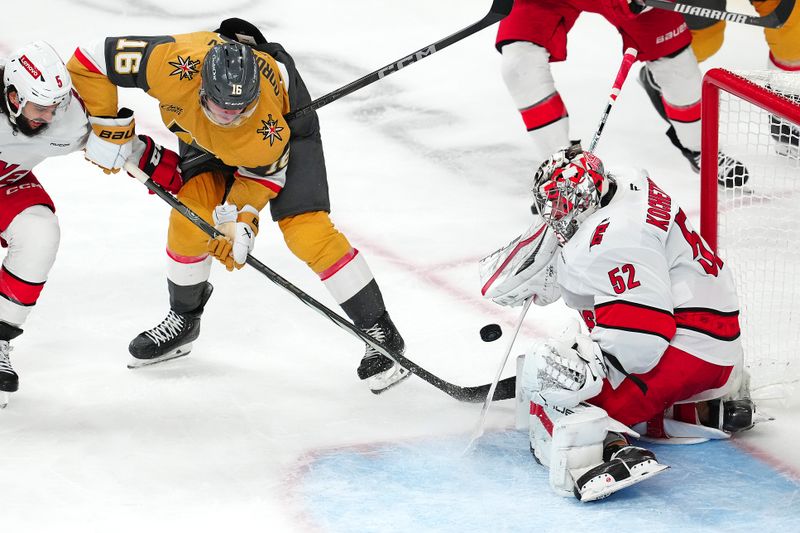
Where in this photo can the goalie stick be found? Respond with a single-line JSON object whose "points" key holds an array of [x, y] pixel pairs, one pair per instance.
{"points": [[776, 19], [505, 388], [498, 11]]}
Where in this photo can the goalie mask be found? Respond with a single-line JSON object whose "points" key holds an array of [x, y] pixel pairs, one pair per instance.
{"points": [[567, 188], [38, 77], [230, 84]]}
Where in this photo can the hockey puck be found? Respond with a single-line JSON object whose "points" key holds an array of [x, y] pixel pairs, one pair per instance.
{"points": [[491, 332]]}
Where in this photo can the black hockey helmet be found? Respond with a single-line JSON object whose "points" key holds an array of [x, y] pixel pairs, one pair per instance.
{"points": [[230, 78]]}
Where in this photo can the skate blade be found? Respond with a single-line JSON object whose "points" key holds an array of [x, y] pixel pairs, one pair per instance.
{"points": [[616, 487], [178, 352], [380, 383], [4, 397]]}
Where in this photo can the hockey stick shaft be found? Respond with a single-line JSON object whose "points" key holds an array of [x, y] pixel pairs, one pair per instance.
{"points": [[498, 11], [466, 394], [478, 432], [627, 61], [776, 19]]}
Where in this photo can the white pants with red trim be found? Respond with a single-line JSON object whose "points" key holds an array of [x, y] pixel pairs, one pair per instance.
{"points": [[33, 237]]}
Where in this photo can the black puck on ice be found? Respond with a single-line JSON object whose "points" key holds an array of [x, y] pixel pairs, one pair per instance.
{"points": [[491, 332]]}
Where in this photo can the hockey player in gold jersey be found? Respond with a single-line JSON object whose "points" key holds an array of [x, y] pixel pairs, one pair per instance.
{"points": [[226, 102]]}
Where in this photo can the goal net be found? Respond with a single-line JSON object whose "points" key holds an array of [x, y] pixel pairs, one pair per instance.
{"points": [[755, 118]]}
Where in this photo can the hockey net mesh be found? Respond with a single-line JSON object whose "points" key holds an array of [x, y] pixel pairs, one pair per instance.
{"points": [[757, 231]]}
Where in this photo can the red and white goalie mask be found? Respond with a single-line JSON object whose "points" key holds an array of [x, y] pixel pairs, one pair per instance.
{"points": [[567, 188]]}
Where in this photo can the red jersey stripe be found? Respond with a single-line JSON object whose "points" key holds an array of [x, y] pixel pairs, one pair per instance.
{"points": [[716, 324], [635, 317], [540, 114], [18, 290]]}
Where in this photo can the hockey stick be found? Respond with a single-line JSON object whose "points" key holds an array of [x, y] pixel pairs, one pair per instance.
{"points": [[498, 11], [464, 394], [627, 61], [776, 19], [478, 432]]}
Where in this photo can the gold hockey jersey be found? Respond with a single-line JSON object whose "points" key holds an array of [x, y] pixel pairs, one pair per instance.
{"points": [[168, 69]]}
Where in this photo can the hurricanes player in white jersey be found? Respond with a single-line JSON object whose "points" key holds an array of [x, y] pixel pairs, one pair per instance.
{"points": [[41, 118], [662, 312]]}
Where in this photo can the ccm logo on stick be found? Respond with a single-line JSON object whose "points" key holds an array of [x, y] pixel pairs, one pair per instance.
{"points": [[413, 58]]}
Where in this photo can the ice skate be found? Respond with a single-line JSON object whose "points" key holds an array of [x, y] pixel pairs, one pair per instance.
{"points": [[625, 465], [170, 339], [380, 372], [9, 380]]}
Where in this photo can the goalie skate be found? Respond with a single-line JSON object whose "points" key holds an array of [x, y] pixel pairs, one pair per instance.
{"points": [[628, 465]]}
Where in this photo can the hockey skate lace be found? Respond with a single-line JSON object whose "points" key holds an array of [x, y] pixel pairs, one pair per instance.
{"points": [[5, 362], [377, 333], [169, 328]]}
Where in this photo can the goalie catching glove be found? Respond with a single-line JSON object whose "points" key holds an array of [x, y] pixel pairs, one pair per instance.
{"points": [[566, 371], [524, 268], [111, 142], [160, 163], [239, 229]]}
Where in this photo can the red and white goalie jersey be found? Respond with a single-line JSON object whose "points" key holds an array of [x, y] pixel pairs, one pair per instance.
{"points": [[643, 279]]}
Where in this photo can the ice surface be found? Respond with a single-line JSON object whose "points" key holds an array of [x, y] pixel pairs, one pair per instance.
{"points": [[428, 172]]}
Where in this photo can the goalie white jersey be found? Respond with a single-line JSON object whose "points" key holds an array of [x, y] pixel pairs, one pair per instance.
{"points": [[20, 153], [644, 279]]}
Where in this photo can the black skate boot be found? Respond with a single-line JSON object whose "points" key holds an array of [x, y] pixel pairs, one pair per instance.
{"points": [[381, 372], [170, 339], [624, 465], [786, 135], [9, 379], [730, 172]]}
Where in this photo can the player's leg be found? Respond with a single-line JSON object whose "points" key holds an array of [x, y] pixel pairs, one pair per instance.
{"points": [[583, 447], [343, 270], [301, 210], [707, 34], [672, 79], [784, 55], [530, 37], [678, 376], [188, 270], [29, 229]]}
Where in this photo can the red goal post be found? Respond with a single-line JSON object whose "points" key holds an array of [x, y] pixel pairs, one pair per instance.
{"points": [[756, 227]]}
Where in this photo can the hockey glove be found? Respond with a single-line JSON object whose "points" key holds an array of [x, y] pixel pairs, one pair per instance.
{"points": [[111, 141], [160, 163], [563, 373], [524, 268], [239, 228]]}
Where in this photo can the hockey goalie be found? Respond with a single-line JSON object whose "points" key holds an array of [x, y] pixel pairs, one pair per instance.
{"points": [[662, 314]]}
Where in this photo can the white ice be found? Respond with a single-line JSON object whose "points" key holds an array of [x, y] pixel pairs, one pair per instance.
{"points": [[428, 170]]}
